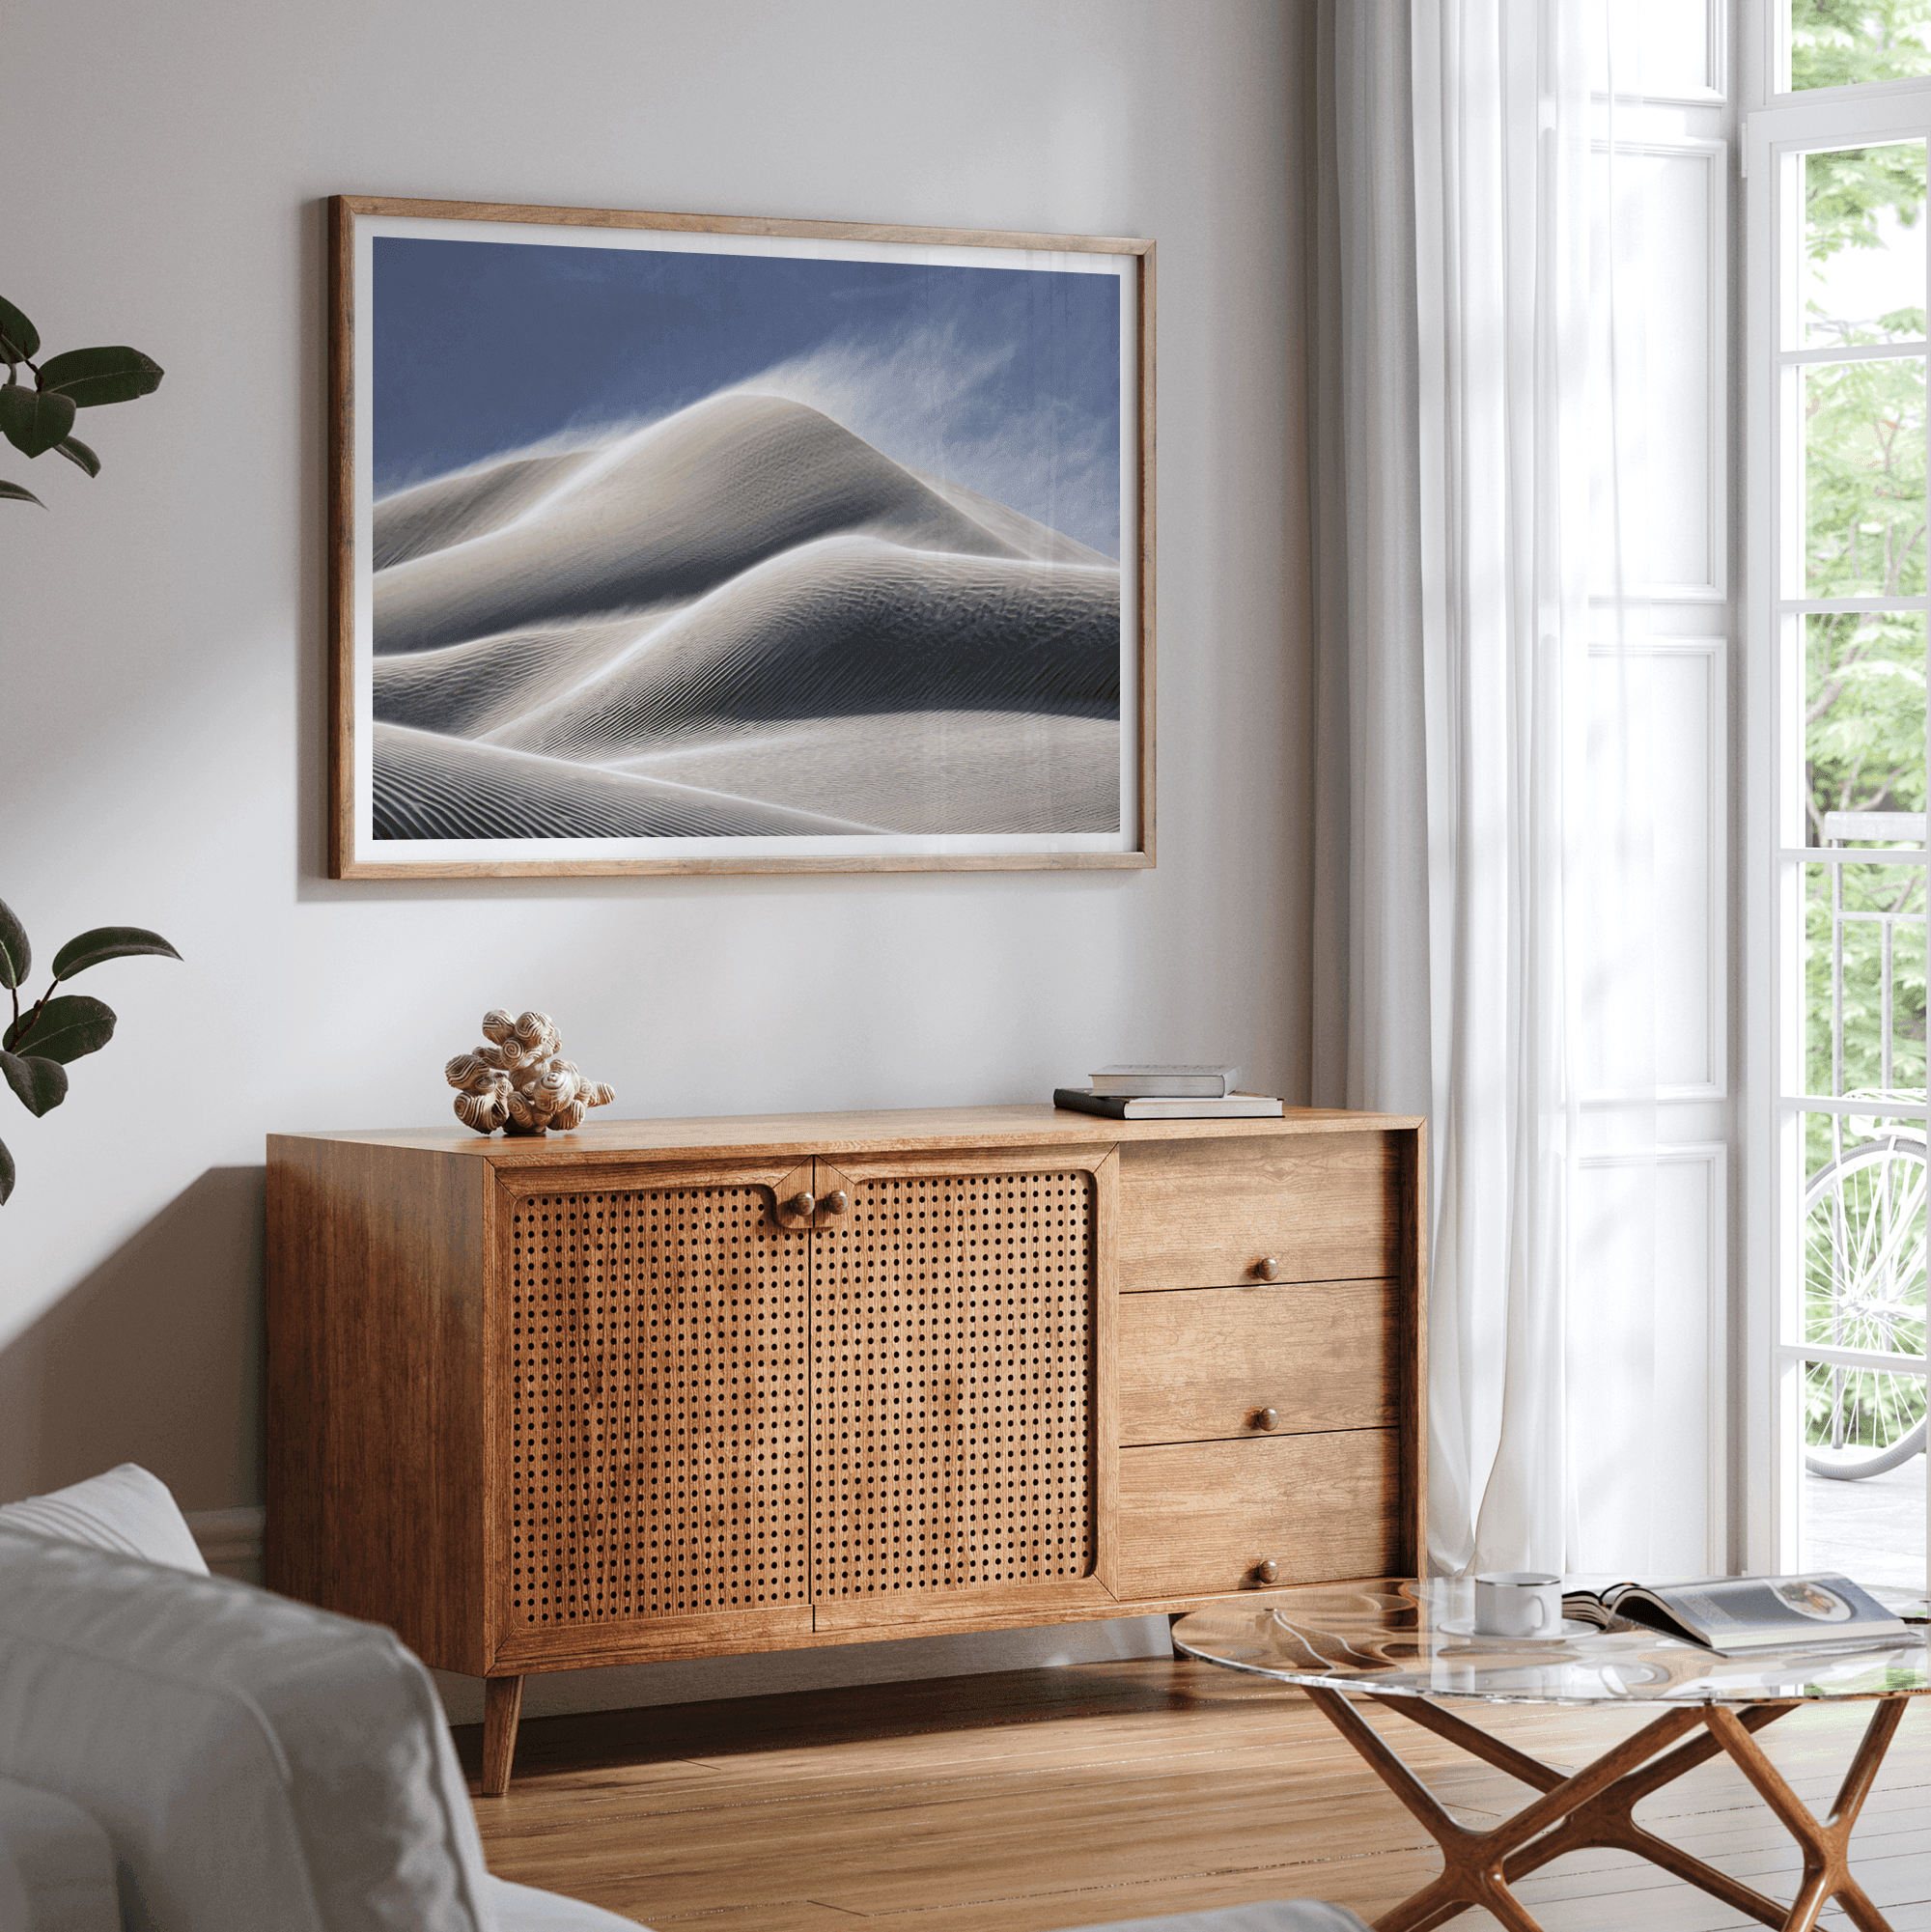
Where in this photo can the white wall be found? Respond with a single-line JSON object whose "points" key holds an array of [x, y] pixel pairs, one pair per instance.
{"points": [[162, 628]]}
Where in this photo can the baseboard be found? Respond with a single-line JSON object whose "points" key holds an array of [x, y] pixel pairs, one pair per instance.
{"points": [[228, 1539]]}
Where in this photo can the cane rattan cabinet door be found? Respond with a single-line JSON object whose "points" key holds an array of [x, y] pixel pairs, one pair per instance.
{"points": [[956, 1337], [656, 1425]]}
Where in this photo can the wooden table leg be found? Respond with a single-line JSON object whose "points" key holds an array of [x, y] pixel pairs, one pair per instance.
{"points": [[502, 1707], [1608, 1821], [1474, 1863], [1825, 1845], [1594, 1807]]}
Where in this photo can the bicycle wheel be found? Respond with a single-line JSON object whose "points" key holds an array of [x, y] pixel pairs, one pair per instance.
{"points": [[1863, 1288]]}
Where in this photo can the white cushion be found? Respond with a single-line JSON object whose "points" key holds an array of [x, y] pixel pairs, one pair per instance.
{"points": [[255, 1763], [125, 1509], [1276, 1915], [56, 1865]]}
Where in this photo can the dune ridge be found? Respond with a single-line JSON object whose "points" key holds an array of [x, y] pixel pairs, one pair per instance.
{"points": [[1027, 536], [449, 510], [466, 689], [846, 627]]}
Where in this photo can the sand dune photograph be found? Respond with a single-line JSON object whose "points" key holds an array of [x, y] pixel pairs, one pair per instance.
{"points": [[675, 550]]}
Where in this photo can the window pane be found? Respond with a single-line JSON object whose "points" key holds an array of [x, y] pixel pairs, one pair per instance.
{"points": [[1870, 1529], [1863, 1280], [1863, 246], [1840, 42], [1863, 478], [1863, 728], [1865, 979]]}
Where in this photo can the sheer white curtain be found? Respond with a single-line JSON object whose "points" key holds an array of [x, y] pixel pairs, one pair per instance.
{"points": [[1493, 882]]}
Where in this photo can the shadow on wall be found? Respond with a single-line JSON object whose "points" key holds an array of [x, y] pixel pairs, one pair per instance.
{"points": [[155, 1358]]}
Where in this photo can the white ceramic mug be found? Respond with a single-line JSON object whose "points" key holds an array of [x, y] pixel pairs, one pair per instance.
{"points": [[1519, 1603]]}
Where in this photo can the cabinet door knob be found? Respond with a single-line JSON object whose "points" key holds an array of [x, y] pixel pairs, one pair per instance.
{"points": [[1268, 1570], [1268, 1270], [835, 1202], [1268, 1418], [802, 1204]]}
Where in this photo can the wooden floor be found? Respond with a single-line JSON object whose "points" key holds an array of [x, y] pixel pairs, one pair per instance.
{"points": [[1045, 1798]]}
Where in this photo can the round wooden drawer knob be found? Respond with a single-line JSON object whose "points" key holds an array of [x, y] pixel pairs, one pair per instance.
{"points": [[1268, 1418], [1268, 1270], [1268, 1570], [802, 1204], [836, 1202]]}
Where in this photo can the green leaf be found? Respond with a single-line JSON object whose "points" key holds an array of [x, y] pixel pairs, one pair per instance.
{"points": [[108, 942], [6, 1174], [11, 493], [91, 376], [78, 452], [66, 1028], [34, 421], [42, 1085], [17, 956], [19, 341]]}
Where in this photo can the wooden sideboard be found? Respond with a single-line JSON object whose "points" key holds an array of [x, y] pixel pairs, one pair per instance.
{"points": [[673, 1388]]}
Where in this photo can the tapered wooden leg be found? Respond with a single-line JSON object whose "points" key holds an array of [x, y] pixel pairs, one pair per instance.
{"points": [[502, 1706], [1826, 1844], [1474, 1864], [1607, 1820], [1593, 1807]]}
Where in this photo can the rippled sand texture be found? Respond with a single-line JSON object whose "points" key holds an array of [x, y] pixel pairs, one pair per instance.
{"points": [[742, 620]]}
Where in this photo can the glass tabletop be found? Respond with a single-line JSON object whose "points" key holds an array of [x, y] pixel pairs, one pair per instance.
{"points": [[1401, 1639]]}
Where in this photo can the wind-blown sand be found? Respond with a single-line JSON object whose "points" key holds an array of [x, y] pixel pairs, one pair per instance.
{"points": [[670, 513], [920, 772], [433, 786], [742, 621]]}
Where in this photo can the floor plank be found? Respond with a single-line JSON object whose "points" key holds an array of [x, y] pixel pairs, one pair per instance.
{"points": [[1037, 1801]]}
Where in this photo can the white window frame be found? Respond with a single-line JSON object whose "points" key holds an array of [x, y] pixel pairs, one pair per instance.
{"points": [[1778, 126]]}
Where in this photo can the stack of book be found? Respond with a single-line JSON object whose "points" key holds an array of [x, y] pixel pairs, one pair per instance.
{"points": [[1167, 1093]]}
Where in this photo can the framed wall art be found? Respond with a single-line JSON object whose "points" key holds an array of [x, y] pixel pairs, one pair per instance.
{"points": [[674, 544]]}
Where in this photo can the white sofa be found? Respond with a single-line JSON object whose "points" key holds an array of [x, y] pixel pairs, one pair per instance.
{"points": [[228, 1759], [180, 1753]]}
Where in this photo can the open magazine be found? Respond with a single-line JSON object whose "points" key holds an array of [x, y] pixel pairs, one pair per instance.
{"points": [[1736, 1616]]}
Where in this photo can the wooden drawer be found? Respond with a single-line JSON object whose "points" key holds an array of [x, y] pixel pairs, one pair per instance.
{"points": [[1202, 1363], [1204, 1214], [1196, 1518]]}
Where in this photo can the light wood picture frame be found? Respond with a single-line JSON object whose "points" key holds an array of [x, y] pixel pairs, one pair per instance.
{"points": [[667, 543]]}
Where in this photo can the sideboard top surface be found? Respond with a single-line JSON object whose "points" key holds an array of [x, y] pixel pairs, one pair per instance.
{"points": [[894, 1130]]}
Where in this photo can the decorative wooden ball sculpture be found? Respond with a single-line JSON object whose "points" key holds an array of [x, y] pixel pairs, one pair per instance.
{"points": [[518, 1079]]}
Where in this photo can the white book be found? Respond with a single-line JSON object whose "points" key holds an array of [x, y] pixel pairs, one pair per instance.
{"points": [[1195, 1083]]}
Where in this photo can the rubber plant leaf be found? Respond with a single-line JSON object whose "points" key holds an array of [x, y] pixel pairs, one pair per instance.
{"points": [[77, 453], [34, 420], [6, 1174], [91, 376], [17, 956], [42, 1085], [66, 1028], [108, 942], [11, 493], [20, 339]]}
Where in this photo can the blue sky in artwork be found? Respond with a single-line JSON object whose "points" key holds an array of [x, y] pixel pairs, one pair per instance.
{"points": [[1005, 381]]}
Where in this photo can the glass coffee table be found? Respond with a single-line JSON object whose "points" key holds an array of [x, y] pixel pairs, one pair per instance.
{"points": [[1409, 1647]]}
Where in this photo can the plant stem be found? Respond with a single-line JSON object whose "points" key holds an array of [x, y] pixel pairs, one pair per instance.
{"points": [[17, 1032]]}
